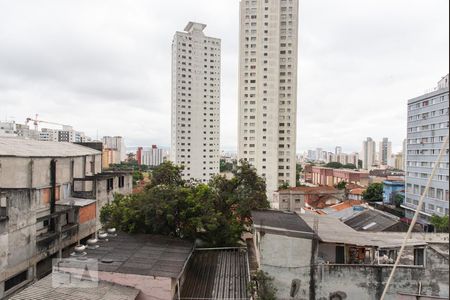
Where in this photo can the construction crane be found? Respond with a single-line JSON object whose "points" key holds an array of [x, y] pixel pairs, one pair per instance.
{"points": [[36, 122]]}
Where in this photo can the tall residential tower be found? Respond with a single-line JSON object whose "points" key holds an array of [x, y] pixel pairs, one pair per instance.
{"points": [[369, 153], [196, 102], [268, 88], [385, 152], [427, 128]]}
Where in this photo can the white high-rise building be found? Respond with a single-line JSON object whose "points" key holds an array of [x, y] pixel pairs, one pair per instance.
{"points": [[385, 152], [152, 157], [196, 102], [428, 125], [369, 153], [268, 88]]}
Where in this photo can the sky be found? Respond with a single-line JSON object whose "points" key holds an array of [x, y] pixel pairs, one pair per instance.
{"points": [[104, 67]]}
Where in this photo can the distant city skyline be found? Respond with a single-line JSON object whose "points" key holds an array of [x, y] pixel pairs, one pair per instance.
{"points": [[111, 74]]}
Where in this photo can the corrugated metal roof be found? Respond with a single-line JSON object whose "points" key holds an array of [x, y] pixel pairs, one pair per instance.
{"points": [[217, 274], [44, 290], [31, 148]]}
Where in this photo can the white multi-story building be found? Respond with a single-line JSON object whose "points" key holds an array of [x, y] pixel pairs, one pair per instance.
{"points": [[196, 102], [152, 157], [385, 152], [368, 153], [268, 88], [427, 128], [115, 143]]}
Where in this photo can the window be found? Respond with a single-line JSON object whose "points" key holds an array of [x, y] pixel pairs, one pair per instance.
{"points": [[14, 281], [419, 256], [121, 181], [109, 184]]}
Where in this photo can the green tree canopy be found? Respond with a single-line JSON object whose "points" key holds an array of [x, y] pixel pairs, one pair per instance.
{"points": [[334, 165], [225, 166], [398, 200], [217, 212], [298, 171], [440, 223], [341, 185], [349, 166], [374, 192], [167, 174]]}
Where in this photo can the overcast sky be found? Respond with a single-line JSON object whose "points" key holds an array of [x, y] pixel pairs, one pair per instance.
{"points": [[104, 66]]}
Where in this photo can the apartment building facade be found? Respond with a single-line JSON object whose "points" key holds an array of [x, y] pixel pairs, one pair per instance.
{"points": [[268, 88], [426, 130], [51, 194], [368, 153], [195, 136], [385, 152], [152, 157]]}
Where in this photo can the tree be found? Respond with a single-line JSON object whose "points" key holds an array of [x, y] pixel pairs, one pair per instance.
{"points": [[341, 185], [284, 186], [225, 166], [298, 171], [168, 174], [440, 223], [398, 200], [217, 212], [262, 286], [137, 176], [349, 166], [374, 192], [334, 165]]}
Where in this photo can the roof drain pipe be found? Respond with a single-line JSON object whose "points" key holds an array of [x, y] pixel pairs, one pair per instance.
{"points": [[52, 193]]}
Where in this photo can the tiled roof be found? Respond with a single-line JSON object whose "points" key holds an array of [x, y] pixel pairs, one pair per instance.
{"points": [[312, 189]]}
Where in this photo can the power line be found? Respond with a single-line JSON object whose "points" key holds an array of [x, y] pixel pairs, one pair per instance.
{"points": [[416, 215]]}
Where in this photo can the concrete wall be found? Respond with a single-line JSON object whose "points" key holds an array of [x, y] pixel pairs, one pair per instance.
{"points": [[286, 258], [367, 281], [24, 172]]}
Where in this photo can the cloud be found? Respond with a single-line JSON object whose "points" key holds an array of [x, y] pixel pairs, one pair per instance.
{"points": [[104, 66]]}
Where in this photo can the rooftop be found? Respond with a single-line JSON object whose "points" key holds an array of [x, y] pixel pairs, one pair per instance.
{"points": [[313, 189], [281, 222], [142, 254], [45, 289], [372, 220], [332, 230], [17, 147], [217, 274]]}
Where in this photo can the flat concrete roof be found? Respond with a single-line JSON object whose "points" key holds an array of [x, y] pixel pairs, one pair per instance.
{"points": [[17, 147], [142, 254], [79, 202], [46, 289]]}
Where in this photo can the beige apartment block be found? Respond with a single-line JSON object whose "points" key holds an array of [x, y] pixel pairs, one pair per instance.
{"points": [[196, 103], [268, 88]]}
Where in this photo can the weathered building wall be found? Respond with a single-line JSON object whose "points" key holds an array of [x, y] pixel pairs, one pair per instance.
{"points": [[18, 234], [286, 259]]}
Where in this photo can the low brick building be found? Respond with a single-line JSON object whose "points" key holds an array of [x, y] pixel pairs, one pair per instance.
{"points": [[330, 177]]}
